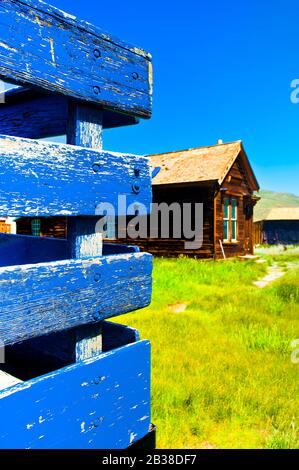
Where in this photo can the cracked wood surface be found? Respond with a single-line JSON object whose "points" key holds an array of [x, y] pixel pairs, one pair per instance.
{"points": [[43, 47], [44, 179]]}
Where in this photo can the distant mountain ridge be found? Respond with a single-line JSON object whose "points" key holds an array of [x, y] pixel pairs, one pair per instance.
{"points": [[270, 199]]}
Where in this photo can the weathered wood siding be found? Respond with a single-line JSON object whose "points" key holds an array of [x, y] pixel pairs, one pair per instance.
{"points": [[285, 232], [49, 179], [44, 47], [87, 398], [19, 249], [236, 185], [36, 115], [43, 298], [50, 226], [172, 247], [258, 233], [4, 228], [100, 403]]}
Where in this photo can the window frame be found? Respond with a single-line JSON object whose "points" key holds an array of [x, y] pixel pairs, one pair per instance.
{"points": [[226, 219], [234, 220], [36, 225], [231, 219]]}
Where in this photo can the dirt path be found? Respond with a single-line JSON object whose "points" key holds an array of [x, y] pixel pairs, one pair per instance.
{"points": [[274, 273]]}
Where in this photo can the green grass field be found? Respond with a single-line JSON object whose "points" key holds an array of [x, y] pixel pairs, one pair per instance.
{"points": [[222, 374]]}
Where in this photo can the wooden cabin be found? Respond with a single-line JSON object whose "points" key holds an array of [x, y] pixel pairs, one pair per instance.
{"points": [[220, 177], [55, 227], [7, 225], [4, 226], [279, 226]]}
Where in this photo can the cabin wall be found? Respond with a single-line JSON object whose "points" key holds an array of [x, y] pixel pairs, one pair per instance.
{"points": [[50, 226], [258, 233], [4, 227], [235, 185], [170, 247], [284, 232]]}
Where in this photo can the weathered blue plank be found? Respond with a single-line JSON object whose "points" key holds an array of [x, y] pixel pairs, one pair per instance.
{"points": [[35, 115], [22, 249], [116, 335], [43, 47], [44, 298], [85, 126], [88, 339], [59, 349], [113, 249], [103, 402], [44, 179], [43, 116]]}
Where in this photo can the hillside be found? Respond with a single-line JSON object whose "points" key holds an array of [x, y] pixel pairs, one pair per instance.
{"points": [[271, 199]]}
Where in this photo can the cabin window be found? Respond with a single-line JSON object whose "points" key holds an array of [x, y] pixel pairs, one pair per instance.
{"points": [[230, 220], [226, 220], [234, 220], [36, 227]]}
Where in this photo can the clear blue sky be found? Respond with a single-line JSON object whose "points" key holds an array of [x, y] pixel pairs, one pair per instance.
{"points": [[222, 69]]}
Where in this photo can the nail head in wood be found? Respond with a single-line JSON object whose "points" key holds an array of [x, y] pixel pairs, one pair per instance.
{"points": [[97, 53], [136, 188], [96, 90], [96, 167]]}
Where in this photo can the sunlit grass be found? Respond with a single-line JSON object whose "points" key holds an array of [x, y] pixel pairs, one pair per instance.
{"points": [[221, 370]]}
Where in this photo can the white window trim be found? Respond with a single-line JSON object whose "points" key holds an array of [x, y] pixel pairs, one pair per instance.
{"points": [[235, 221], [230, 221], [226, 219]]}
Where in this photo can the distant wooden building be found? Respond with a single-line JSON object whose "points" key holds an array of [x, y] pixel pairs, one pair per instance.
{"points": [[280, 226], [4, 226], [7, 225], [221, 178], [42, 226]]}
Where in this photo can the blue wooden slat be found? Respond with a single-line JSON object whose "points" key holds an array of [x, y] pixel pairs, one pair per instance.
{"points": [[60, 347], [44, 179], [113, 248], [49, 297], [43, 47], [85, 126], [103, 402], [22, 249], [43, 116], [116, 335], [35, 115]]}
